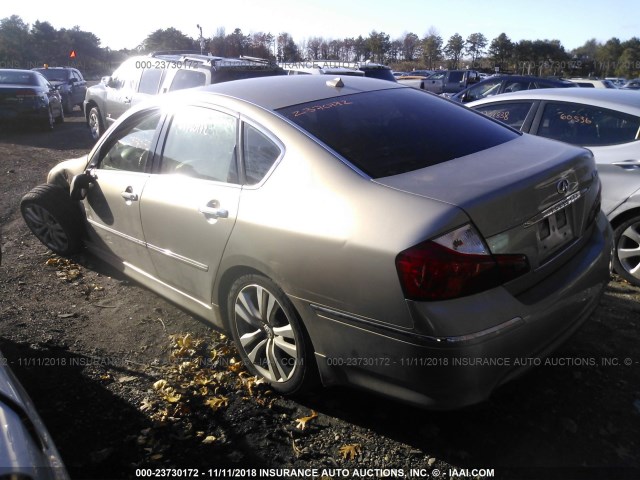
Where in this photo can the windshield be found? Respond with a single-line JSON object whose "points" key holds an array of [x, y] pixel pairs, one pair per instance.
{"points": [[389, 132]]}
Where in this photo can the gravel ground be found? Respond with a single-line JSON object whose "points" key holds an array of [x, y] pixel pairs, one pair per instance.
{"points": [[126, 381]]}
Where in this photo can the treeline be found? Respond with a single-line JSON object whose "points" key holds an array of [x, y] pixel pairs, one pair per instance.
{"points": [[28, 46]]}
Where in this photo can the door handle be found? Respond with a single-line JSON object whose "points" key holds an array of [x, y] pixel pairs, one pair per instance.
{"points": [[128, 195], [628, 164], [213, 212]]}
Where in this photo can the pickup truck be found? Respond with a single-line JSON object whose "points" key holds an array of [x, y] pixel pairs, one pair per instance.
{"points": [[450, 81]]}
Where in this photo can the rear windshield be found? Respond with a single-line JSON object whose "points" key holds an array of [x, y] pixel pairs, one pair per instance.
{"points": [[18, 77], [57, 75], [390, 132]]}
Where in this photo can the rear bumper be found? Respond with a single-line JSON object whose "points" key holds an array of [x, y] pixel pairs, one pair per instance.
{"points": [[455, 371], [26, 113]]}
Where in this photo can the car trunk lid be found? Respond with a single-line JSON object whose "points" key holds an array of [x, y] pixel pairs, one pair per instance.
{"points": [[528, 195]]}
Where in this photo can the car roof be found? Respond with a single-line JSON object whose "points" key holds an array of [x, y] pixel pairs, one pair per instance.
{"points": [[283, 91], [621, 100]]}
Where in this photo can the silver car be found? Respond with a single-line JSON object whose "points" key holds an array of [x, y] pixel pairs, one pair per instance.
{"points": [[344, 229], [608, 123], [26, 448]]}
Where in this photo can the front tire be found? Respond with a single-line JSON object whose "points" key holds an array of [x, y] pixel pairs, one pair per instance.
{"points": [[269, 335], [626, 258], [53, 218]]}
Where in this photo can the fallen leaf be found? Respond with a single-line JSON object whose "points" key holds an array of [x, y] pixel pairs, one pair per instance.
{"points": [[146, 405], [302, 422], [209, 439], [350, 451], [217, 403], [127, 379], [160, 384]]}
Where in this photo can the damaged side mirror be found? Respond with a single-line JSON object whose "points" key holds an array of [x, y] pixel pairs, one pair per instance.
{"points": [[80, 184]]}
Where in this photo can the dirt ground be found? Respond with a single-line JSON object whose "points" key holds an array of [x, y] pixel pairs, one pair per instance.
{"points": [[119, 377]]}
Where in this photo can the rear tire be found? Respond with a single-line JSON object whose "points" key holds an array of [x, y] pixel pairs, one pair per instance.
{"points": [[60, 118], [67, 105], [626, 257], [47, 123], [94, 121], [269, 335], [53, 218]]}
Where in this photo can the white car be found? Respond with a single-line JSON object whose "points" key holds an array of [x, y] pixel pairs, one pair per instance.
{"points": [[593, 83], [607, 122]]}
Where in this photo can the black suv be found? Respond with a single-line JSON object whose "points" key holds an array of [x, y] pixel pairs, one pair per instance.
{"points": [[69, 82], [161, 72]]}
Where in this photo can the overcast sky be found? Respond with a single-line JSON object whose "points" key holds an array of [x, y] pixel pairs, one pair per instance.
{"points": [[125, 24]]}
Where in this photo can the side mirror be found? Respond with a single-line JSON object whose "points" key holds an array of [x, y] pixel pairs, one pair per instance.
{"points": [[106, 80], [80, 185], [72, 81]]}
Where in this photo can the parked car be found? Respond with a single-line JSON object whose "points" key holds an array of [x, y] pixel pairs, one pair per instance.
{"points": [[327, 67], [410, 80], [608, 123], [506, 83], [69, 82], [593, 83], [26, 448], [27, 97], [450, 81], [335, 67], [618, 82], [632, 84], [139, 78], [343, 227]]}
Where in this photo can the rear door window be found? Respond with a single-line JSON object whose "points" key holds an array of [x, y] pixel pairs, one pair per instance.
{"points": [[201, 143], [512, 113], [587, 125], [187, 79], [150, 81]]}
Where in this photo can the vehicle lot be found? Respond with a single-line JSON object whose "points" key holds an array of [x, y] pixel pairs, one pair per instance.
{"points": [[89, 345]]}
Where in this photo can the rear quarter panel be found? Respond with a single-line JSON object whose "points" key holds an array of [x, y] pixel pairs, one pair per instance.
{"points": [[329, 236]]}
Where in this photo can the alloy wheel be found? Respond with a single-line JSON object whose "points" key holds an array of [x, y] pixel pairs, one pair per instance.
{"points": [[46, 227], [266, 334]]}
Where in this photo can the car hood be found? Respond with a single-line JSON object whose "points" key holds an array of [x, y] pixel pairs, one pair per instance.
{"points": [[504, 186]]}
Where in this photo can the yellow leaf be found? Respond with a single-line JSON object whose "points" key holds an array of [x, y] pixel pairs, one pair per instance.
{"points": [[302, 422], [217, 402], [236, 367], [186, 341], [350, 451], [160, 384], [171, 396], [209, 439], [146, 405]]}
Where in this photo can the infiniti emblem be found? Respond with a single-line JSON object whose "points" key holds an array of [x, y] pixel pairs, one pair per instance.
{"points": [[562, 186]]}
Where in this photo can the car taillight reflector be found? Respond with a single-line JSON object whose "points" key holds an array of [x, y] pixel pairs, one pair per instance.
{"points": [[26, 92], [432, 271]]}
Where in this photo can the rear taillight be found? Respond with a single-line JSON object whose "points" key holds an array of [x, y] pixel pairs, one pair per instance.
{"points": [[27, 92], [455, 265]]}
